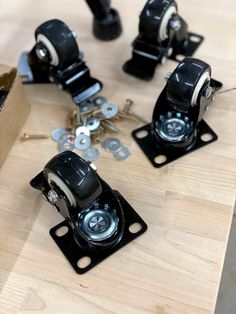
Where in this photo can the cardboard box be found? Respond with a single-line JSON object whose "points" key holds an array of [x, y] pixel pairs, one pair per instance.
{"points": [[14, 109]]}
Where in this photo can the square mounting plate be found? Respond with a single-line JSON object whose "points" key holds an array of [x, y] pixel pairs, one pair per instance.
{"points": [[74, 253], [192, 42], [158, 155]]}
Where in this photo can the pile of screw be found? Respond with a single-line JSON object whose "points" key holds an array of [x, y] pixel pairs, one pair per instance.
{"points": [[89, 123]]}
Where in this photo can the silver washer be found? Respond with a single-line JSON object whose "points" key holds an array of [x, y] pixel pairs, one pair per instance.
{"points": [[111, 144], [82, 130], [98, 224], [99, 101], [64, 146], [92, 123], [122, 154], [86, 106], [82, 142], [57, 133], [62, 138], [109, 110], [91, 154]]}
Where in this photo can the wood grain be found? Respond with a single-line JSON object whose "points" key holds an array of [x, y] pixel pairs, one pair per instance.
{"points": [[175, 267]]}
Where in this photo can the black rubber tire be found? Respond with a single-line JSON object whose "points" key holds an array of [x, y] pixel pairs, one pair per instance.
{"points": [[152, 16], [62, 40], [185, 79], [76, 174]]}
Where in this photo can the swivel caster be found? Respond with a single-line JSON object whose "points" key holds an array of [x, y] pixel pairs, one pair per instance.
{"points": [[106, 22], [98, 220], [56, 58], [162, 34], [177, 126]]}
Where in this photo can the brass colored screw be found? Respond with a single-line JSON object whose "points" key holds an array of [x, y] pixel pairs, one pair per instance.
{"points": [[27, 137], [128, 105], [78, 117], [128, 114]]}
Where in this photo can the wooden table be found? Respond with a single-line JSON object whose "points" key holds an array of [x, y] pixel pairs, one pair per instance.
{"points": [[175, 267]]}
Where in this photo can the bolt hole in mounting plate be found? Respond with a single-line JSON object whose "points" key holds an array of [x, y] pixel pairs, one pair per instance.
{"points": [[158, 155], [83, 260], [192, 42]]}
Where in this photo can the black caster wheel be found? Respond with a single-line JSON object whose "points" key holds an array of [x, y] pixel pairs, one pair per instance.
{"points": [[187, 81], [162, 34], [177, 126], [56, 44], [97, 218], [56, 58], [155, 18]]}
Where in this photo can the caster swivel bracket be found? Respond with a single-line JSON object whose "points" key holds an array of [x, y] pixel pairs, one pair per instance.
{"points": [[69, 246], [55, 58], [98, 220], [162, 34], [177, 127]]}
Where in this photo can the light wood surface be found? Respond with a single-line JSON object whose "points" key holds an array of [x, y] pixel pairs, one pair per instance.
{"points": [[175, 267]]}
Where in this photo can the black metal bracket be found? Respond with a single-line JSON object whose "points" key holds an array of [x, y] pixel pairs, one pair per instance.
{"points": [[188, 49], [146, 56], [26, 72], [73, 252], [3, 96], [77, 81], [163, 34], [159, 156]]}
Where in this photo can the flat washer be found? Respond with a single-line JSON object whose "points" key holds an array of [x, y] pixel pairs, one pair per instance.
{"points": [[99, 101], [122, 154], [64, 146], [57, 133], [92, 123], [111, 144], [86, 106], [82, 130], [91, 154], [109, 110], [82, 142]]}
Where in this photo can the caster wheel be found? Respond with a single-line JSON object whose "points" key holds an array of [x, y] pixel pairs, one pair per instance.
{"points": [[155, 18], [74, 178], [98, 220], [56, 44], [177, 126], [187, 81]]}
